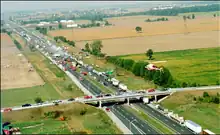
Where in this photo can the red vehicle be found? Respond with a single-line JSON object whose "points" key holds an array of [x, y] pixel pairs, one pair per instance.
{"points": [[84, 73], [73, 68], [151, 90], [99, 96], [87, 97], [107, 109], [7, 110], [65, 69], [80, 78]]}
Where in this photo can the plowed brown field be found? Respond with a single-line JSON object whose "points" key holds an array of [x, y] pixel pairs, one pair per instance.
{"points": [[125, 27], [14, 67]]}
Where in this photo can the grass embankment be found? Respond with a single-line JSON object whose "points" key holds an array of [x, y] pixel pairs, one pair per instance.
{"points": [[205, 114], [56, 83], [195, 65], [159, 127], [93, 121]]}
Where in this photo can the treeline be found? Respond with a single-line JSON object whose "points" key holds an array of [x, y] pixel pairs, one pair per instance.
{"points": [[93, 24], [94, 48], [62, 38], [156, 20], [161, 77], [42, 30], [208, 98]]}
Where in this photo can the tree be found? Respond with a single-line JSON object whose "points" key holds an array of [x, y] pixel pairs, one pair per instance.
{"points": [[96, 47], [138, 29], [214, 15], [184, 84], [50, 27], [193, 16], [149, 53], [56, 38], [87, 49], [60, 26], [184, 18], [205, 94], [38, 100]]}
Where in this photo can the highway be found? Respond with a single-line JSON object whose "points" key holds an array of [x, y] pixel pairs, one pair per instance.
{"points": [[142, 128], [165, 120]]}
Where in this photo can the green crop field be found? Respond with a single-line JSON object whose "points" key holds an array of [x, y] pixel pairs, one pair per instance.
{"points": [[205, 114], [34, 121], [21, 96], [195, 65]]}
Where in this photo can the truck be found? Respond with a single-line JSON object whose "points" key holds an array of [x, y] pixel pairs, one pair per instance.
{"points": [[146, 100], [193, 126], [115, 82], [122, 86], [159, 107], [176, 118], [151, 90], [207, 132]]}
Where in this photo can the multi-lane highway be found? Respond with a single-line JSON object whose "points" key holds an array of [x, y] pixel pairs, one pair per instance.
{"points": [[142, 128]]}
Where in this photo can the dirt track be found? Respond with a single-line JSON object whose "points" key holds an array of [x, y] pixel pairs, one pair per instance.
{"points": [[14, 67]]}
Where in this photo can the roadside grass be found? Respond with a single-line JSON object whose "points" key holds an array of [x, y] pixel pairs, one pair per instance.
{"points": [[205, 114], [194, 65], [19, 96], [93, 121], [159, 127]]}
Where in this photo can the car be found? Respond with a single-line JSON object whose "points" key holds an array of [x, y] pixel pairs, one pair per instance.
{"points": [[99, 96], [39, 103], [108, 109], [71, 99], [26, 105], [108, 95], [7, 110], [87, 97]]}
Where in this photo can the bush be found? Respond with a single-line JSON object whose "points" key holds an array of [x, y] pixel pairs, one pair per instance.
{"points": [[52, 114], [184, 84], [83, 112], [70, 87], [205, 94], [38, 100]]}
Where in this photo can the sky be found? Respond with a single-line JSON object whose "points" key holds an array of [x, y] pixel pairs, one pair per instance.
{"points": [[36, 5]]}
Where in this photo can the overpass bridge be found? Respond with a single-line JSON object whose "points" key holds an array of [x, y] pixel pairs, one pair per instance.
{"points": [[127, 96]]}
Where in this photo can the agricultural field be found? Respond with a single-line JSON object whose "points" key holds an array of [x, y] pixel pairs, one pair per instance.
{"points": [[158, 43], [15, 67], [205, 114], [124, 27], [34, 121], [196, 65], [57, 84]]}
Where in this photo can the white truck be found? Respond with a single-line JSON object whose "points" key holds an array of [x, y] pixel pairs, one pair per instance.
{"points": [[115, 82], [122, 86], [146, 100], [193, 126]]}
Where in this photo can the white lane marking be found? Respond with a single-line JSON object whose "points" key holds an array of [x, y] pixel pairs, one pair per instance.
{"points": [[174, 125], [142, 125], [148, 130], [158, 115], [182, 130], [166, 120]]}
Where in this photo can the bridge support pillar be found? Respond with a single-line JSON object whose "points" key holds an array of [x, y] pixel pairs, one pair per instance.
{"points": [[100, 104], [128, 102], [155, 97]]}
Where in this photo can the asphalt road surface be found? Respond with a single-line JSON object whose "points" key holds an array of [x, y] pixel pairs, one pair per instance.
{"points": [[170, 123]]}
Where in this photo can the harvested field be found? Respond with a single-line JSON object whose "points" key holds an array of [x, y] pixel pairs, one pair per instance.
{"points": [[126, 28], [205, 114], [158, 43], [15, 67]]}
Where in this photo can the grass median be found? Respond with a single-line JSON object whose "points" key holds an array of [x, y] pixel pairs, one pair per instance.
{"points": [[158, 126]]}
